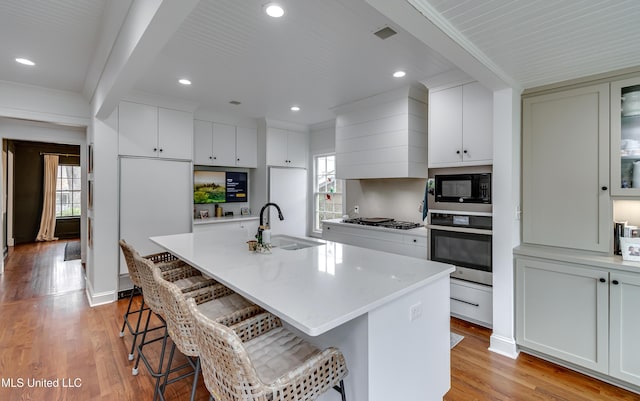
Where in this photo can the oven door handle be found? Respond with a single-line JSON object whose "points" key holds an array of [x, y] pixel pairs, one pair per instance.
{"points": [[465, 302]]}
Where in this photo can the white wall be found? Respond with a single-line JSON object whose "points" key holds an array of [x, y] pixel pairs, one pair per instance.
{"points": [[397, 198]]}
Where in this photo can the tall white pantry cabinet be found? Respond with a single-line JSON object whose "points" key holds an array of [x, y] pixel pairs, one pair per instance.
{"points": [[575, 302], [155, 175]]}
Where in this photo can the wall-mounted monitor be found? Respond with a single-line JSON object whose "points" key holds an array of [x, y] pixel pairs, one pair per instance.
{"points": [[219, 187]]}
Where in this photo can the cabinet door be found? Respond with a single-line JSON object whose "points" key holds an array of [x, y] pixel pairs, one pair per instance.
{"points": [[224, 145], [565, 162], [562, 310], [445, 126], [203, 142], [297, 149], [625, 327], [477, 124], [277, 147], [246, 147], [137, 129], [625, 137], [175, 134]]}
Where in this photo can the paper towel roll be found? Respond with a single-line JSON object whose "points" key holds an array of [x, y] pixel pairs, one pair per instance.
{"points": [[635, 183]]}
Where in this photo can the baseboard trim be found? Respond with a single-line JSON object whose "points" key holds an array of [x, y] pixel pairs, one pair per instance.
{"points": [[503, 346], [101, 298]]}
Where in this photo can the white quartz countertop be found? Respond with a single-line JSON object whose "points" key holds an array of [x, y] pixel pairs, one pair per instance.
{"points": [[314, 289], [419, 231]]}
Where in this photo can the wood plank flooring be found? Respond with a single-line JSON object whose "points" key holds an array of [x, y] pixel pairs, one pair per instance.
{"points": [[48, 331]]}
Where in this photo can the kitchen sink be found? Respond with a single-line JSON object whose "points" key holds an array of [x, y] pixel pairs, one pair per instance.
{"points": [[290, 243]]}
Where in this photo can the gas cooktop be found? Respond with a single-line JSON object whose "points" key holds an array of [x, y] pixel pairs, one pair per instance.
{"points": [[383, 222]]}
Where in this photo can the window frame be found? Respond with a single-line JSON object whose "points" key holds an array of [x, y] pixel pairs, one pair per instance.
{"points": [[72, 191], [315, 219]]}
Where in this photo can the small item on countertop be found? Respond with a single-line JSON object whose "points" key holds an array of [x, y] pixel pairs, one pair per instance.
{"points": [[218, 211], [252, 245], [266, 235]]}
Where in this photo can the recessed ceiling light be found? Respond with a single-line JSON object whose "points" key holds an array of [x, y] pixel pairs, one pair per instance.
{"points": [[274, 10], [25, 61], [399, 74], [184, 81], [295, 108]]}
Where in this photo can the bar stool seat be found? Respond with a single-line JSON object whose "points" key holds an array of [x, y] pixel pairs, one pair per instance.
{"points": [[256, 359]]}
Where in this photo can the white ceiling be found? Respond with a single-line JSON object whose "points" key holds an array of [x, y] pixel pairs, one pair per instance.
{"points": [[58, 35], [322, 53], [319, 55]]}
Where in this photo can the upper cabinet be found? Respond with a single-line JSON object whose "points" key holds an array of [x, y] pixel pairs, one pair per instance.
{"points": [[224, 145], [287, 148], [565, 169], [625, 137], [461, 126], [152, 131], [383, 136]]}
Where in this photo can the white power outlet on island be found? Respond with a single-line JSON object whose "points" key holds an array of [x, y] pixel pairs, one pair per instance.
{"points": [[356, 209], [415, 311]]}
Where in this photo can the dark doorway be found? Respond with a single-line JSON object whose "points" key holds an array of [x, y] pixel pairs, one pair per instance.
{"points": [[28, 189]]}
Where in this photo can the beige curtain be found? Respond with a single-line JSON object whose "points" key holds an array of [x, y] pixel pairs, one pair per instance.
{"points": [[48, 219]]}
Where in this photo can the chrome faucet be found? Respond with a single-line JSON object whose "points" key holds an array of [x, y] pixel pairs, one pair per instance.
{"points": [[261, 226]]}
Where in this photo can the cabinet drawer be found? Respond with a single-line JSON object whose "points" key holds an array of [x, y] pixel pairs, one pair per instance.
{"points": [[472, 302], [415, 240]]}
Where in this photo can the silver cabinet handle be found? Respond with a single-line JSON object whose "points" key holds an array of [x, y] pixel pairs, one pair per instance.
{"points": [[465, 302]]}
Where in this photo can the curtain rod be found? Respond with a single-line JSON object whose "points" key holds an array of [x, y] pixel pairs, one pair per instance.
{"points": [[59, 154]]}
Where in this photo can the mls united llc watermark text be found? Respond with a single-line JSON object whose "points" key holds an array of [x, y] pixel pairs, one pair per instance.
{"points": [[32, 382]]}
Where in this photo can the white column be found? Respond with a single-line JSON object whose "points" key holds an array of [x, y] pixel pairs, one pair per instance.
{"points": [[506, 216]]}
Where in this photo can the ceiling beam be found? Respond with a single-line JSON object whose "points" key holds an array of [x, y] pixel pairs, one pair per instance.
{"points": [[421, 20], [148, 26]]}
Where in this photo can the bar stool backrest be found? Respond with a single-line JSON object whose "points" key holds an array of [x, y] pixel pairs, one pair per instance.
{"points": [[128, 252], [177, 315], [148, 283], [226, 366]]}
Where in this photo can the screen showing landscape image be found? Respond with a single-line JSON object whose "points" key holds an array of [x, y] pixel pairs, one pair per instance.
{"points": [[219, 187], [209, 187]]}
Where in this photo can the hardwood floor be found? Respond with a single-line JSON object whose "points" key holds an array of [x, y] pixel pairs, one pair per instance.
{"points": [[48, 331]]}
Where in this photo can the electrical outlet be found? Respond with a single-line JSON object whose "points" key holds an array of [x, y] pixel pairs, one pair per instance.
{"points": [[415, 311], [356, 209]]}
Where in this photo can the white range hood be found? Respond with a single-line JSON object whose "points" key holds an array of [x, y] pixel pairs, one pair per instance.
{"points": [[383, 136]]}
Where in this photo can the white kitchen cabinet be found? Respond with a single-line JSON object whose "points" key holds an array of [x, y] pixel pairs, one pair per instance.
{"points": [[582, 314], [562, 310], [287, 148], [461, 126], [151, 131], [245, 228], [624, 348], [219, 144], [412, 243], [472, 302], [565, 169], [625, 137], [246, 147]]}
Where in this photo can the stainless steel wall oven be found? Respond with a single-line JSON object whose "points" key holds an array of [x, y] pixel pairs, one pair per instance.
{"points": [[465, 241]]}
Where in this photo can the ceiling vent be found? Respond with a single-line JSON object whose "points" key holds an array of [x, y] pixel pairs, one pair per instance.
{"points": [[235, 102], [385, 33]]}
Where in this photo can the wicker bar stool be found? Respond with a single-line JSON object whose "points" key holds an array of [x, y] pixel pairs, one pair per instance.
{"points": [[258, 360], [213, 302], [164, 261], [187, 279]]}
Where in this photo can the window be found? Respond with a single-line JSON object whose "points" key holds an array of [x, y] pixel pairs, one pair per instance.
{"points": [[68, 191], [328, 191]]}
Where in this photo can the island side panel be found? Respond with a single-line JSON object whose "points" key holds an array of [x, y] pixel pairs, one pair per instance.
{"points": [[409, 360], [351, 339]]}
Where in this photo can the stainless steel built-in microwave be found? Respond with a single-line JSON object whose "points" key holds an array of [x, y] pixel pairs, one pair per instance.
{"points": [[463, 188]]}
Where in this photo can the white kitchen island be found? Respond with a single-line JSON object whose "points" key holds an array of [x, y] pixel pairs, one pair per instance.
{"points": [[388, 314]]}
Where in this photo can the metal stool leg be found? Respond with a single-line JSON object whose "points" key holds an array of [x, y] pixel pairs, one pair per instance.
{"points": [[124, 320], [137, 330]]}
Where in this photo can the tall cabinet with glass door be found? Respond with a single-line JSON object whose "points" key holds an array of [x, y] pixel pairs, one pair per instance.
{"points": [[625, 137]]}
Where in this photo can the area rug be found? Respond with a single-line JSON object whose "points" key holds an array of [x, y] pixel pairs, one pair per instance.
{"points": [[455, 339], [72, 250]]}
